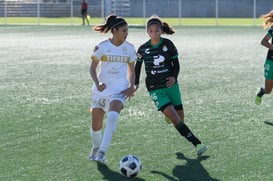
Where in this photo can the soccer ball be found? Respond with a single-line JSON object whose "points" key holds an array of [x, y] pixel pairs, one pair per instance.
{"points": [[130, 166]]}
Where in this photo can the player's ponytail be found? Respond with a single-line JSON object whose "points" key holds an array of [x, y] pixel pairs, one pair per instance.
{"points": [[166, 29], [267, 19], [112, 21]]}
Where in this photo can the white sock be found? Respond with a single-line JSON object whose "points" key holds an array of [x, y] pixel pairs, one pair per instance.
{"points": [[111, 125], [96, 138]]}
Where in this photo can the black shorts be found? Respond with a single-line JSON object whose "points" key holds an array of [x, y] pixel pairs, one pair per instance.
{"points": [[84, 12]]}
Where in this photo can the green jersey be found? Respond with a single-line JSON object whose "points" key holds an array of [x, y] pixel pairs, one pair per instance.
{"points": [[161, 61], [270, 52]]}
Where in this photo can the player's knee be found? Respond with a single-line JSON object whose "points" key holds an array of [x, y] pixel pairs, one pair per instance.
{"points": [[96, 127]]}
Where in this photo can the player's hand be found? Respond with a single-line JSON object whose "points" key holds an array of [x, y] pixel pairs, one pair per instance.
{"points": [[101, 87], [170, 81], [136, 87], [129, 92]]}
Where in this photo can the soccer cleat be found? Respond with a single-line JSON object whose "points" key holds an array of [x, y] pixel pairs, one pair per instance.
{"points": [[259, 95], [93, 153], [258, 100], [100, 157], [200, 149]]}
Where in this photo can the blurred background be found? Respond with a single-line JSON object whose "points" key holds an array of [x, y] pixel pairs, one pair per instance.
{"points": [[68, 11]]}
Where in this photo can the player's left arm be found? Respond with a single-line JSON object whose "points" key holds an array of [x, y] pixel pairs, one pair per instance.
{"points": [[131, 73], [131, 77], [176, 67], [174, 60], [173, 79]]}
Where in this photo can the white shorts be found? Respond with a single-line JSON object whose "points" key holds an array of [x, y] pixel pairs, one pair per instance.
{"points": [[112, 92]]}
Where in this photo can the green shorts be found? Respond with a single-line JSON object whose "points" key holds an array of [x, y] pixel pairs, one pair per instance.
{"points": [[268, 69], [167, 96]]}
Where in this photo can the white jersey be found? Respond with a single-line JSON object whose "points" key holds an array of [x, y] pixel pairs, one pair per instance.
{"points": [[112, 71], [113, 61]]}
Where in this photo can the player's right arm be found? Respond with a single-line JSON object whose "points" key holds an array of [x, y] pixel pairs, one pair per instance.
{"points": [[265, 41], [137, 72], [93, 73]]}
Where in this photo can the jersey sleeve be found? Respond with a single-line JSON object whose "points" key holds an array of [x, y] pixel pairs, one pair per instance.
{"points": [[97, 53], [133, 55], [173, 51], [270, 32], [174, 59], [139, 55], [138, 67]]}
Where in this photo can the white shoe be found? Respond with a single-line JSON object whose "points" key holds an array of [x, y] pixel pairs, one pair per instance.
{"points": [[200, 149], [100, 157], [93, 153]]}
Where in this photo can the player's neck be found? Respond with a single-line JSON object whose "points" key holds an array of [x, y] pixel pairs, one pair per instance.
{"points": [[155, 41], [115, 42]]}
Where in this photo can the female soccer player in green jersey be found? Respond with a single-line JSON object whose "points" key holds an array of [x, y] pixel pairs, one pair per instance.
{"points": [[160, 57], [268, 65]]}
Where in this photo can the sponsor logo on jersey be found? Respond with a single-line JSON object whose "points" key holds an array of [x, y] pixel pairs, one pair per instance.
{"points": [[153, 72], [164, 48], [147, 51], [158, 59], [113, 71], [115, 58]]}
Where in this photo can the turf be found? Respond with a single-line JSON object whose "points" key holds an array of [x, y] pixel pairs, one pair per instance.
{"points": [[45, 95], [131, 21]]}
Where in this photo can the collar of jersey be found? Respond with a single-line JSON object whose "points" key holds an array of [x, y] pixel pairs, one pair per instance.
{"points": [[157, 45]]}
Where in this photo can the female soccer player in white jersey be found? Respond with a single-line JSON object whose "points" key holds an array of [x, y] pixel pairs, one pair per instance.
{"points": [[112, 71], [160, 57], [268, 65]]}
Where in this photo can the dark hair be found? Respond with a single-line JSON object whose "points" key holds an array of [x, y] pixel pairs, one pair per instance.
{"points": [[112, 21], [166, 29]]}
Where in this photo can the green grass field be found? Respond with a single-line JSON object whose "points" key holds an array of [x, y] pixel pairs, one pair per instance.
{"points": [[45, 91], [132, 21]]}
